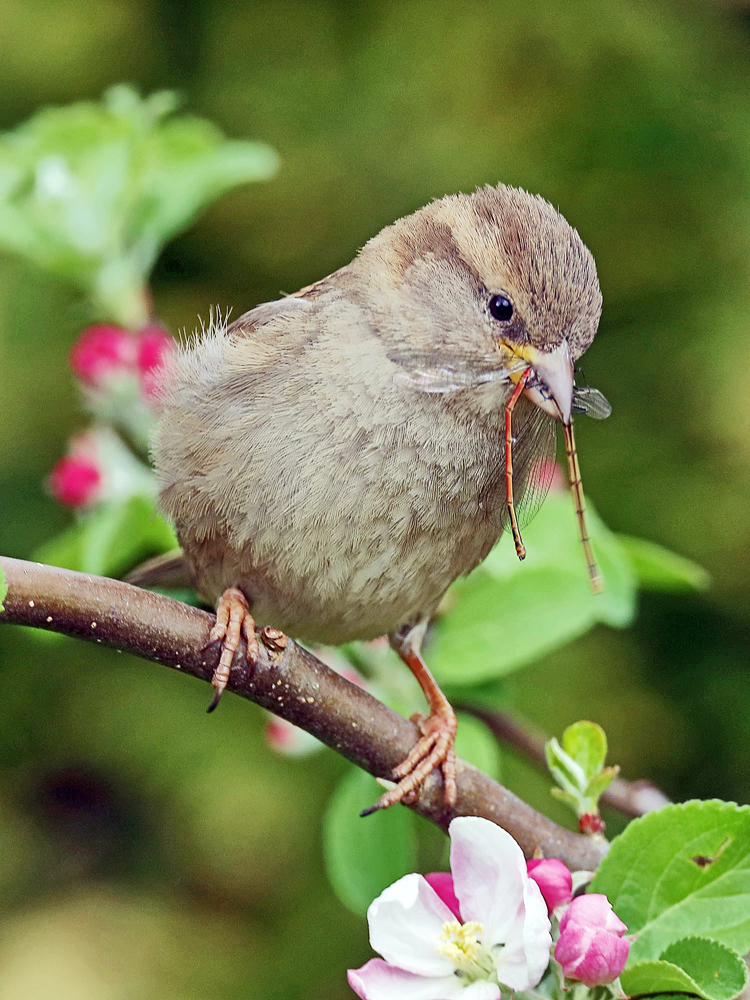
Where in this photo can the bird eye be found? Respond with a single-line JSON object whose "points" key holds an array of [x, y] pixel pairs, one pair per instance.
{"points": [[501, 308]]}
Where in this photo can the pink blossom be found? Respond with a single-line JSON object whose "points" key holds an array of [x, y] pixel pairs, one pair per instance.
{"points": [[547, 471], [102, 351], [288, 739], [155, 347], [502, 936], [591, 948], [98, 467], [109, 359], [75, 481], [442, 883], [594, 910], [553, 878], [291, 741], [119, 372]]}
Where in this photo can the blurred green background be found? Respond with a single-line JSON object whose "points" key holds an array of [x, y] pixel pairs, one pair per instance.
{"points": [[147, 850]]}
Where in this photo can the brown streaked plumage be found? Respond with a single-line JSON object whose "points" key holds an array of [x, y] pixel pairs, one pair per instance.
{"points": [[334, 460]]}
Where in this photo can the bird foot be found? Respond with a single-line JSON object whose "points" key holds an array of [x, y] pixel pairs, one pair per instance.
{"points": [[233, 621], [434, 749]]}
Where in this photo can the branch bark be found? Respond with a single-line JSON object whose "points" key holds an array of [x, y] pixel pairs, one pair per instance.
{"points": [[292, 683]]}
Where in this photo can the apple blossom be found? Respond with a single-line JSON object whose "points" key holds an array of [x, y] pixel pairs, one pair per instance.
{"points": [[547, 470], [155, 346], [591, 948], [119, 372], [501, 939], [291, 741], [75, 481], [442, 883], [98, 467], [553, 878], [103, 351]]}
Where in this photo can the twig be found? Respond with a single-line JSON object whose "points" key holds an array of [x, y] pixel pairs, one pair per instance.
{"points": [[634, 798], [291, 683]]}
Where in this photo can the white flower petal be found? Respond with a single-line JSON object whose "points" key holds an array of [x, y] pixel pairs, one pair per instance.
{"points": [[405, 924], [377, 980], [522, 963], [480, 989], [488, 870], [536, 932], [493, 887]]}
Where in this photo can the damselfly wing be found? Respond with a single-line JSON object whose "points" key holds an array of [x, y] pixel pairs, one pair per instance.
{"points": [[430, 374], [591, 402], [528, 456]]}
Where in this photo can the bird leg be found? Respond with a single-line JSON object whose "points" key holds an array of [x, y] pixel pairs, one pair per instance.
{"points": [[435, 746], [233, 621]]}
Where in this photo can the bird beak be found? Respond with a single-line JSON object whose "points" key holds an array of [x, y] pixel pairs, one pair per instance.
{"points": [[555, 370]]}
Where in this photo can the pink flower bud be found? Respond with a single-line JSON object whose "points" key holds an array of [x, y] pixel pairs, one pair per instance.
{"points": [[590, 823], [553, 878], [280, 734], [102, 351], [99, 467], [593, 909], [289, 740], [546, 470], [353, 675], [442, 883], [75, 481], [155, 346], [591, 948]]}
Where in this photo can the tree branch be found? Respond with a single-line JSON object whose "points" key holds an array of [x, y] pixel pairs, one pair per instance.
{"points": [[292, 683]]}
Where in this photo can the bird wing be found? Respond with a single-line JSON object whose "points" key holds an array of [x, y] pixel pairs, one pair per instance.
{"points": [[264, 313]]}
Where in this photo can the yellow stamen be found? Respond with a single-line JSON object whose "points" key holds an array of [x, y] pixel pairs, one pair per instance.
{"points": [[463, 944]]}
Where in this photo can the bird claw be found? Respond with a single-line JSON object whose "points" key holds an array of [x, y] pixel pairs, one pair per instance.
{"points": [[233, 622], [434, 749]]}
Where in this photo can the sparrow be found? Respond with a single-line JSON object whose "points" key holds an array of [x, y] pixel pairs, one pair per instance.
{"points": [[332, 461]]}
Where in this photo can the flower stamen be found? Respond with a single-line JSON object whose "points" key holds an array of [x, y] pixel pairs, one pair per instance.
{"points": [[462, 943]]}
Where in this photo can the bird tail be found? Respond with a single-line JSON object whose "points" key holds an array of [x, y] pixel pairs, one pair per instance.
{"points": [[168, 570]]}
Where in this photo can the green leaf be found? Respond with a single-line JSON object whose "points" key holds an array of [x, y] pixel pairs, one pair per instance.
{"points": [[570, 799], [566, 771], [365, 855], [659, 569], [110, 539], [683, 870], [92, 191], [601, 782], [3, 589], [476, 744], [692, 965], [586, 743], [508, 613]]}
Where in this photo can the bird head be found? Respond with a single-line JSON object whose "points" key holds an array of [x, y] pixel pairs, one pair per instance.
{"points": [[495, 280]]}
